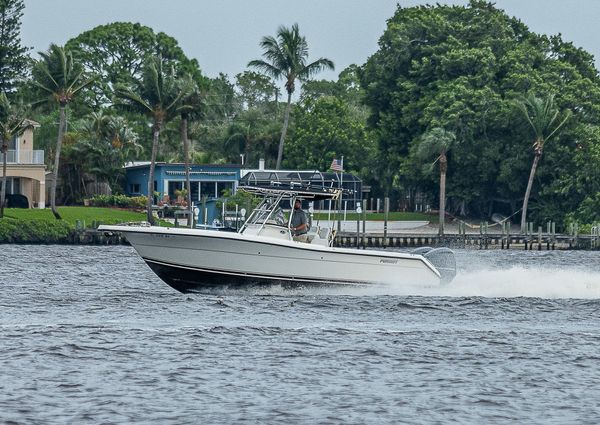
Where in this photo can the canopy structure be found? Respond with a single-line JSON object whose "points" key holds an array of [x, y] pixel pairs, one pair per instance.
{"points": [[307, 180], [316, 194]]}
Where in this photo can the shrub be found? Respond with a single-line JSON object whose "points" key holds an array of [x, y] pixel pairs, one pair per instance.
{"points": [[241, 199], [100, 201], [121, 201], [32, 231], [587, 215], [137, 202]]}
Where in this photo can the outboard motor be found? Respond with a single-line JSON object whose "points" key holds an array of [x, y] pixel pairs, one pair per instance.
{"points": [[442, 259]]}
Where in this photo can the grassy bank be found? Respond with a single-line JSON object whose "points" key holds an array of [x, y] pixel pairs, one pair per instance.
{"points": [[393, 216], [72, 214], [40, 226]]}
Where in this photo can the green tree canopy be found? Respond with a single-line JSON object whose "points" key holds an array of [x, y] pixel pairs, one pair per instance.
{"points": [[461, 68], [160, 95], [104, 144], [326, 129], [255, 89], [13, 56], [116, 53]]}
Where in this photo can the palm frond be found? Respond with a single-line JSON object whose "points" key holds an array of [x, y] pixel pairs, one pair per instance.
{"points": [[12, 118], [542, 115], [434, 142], [267, 68], [286, 55], [316, 67]]}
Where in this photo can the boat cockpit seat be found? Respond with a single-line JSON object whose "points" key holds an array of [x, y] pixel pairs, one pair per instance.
{"points": [[321, 236], [313, 231]]}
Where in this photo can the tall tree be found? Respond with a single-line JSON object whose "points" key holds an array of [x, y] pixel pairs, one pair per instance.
{"points": [[60, 78], [12, 117], [190, 107], [158, 95], [255, 89], [433, 70], [436, 143], [285, 57], [544, 118], [105, 143], [13, 56], [325, 128], [117, 52]]}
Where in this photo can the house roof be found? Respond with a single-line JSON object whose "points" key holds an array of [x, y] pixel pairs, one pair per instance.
{"points": [[31, 123], [287, 176], [144, 164]]}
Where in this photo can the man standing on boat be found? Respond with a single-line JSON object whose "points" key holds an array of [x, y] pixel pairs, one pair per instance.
{"points": [[299, 223]]}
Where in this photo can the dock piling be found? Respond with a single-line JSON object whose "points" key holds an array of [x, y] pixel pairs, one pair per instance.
{"points": [[386, 212], [364, 221]]}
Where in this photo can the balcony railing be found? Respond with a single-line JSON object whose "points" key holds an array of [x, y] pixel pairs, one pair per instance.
{"points": [[24, 157]]}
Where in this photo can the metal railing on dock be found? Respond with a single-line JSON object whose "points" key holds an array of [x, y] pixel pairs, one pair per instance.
{"points": [[484, 239]]}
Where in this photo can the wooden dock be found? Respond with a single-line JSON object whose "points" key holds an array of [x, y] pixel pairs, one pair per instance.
{"points": [[538, 241]]}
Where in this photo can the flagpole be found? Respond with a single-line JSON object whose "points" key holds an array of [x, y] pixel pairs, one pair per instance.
{"points": [[341, 200], [342, 175]]}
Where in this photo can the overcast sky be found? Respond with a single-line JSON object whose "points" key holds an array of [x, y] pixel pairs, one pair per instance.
{"points": [[223, 35]]}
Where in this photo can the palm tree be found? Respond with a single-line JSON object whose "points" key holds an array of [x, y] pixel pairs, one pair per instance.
{"points": [[159, 95], [105, 144], [286, 56], [12, 118], [190, 106], [243, 133], [61, 79], [543, 117], [438, 142]]}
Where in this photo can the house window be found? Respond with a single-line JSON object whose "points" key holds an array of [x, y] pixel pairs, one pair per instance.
{"points": [[195, 189], [13, 143], [208, 189], [16, 185], [13, 185], [134, 188], [224, 186], [214, 189], [173, 186]]}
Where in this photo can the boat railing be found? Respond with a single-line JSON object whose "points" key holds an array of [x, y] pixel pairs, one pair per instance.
{"points": [[263, 213]]}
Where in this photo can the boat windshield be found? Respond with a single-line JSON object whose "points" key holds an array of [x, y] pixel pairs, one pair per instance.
{"points": [[268, 212]]}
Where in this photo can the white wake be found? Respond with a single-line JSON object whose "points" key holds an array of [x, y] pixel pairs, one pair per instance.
{"points": [[523, 282], [491, 283]]}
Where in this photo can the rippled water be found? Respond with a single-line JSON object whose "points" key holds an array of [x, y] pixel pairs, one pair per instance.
{"points": [[90, 335]]}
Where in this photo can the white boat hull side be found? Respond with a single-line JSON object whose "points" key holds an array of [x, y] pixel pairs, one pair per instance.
{"points": [[189, 258]]}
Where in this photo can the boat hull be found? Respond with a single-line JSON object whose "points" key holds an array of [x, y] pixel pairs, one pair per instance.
{"points": [[191, 260], [189, 279]]}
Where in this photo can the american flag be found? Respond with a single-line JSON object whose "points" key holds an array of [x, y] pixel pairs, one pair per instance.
{"points": [[337, 165]]}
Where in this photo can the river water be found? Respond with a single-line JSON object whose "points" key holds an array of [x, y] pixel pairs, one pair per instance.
{"points": [[90, 335]]}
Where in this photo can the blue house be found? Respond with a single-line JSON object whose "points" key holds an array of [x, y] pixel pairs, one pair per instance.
{"points": [[208, 180]]}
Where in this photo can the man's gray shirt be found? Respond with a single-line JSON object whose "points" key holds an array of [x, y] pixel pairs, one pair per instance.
{"points": [[298, 218]]}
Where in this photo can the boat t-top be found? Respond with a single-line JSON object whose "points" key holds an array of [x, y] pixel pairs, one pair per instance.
{"points": [[263, 251]]}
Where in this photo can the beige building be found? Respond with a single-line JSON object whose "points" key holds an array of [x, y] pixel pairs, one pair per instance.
{"points": [[26, 172]]}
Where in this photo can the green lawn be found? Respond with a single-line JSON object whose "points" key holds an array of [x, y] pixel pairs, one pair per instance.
{"points": [[393, 216], [114, 215], [72, 214]]}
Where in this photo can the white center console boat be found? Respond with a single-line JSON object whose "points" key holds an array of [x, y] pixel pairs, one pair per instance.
{"points": [[263, 252]]}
